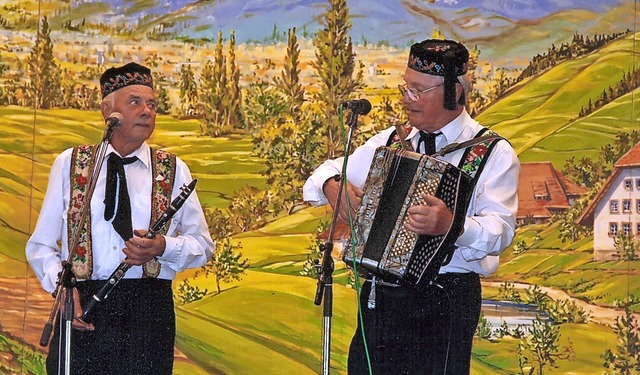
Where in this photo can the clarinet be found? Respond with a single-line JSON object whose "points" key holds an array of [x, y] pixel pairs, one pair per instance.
{"points": [[118, 274]]}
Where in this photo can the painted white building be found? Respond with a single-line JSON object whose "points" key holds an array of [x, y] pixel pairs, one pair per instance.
{"points": [[616, 207]]}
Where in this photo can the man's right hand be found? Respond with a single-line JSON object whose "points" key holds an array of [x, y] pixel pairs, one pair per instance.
{"points": [[330, 190], [77, 322]]}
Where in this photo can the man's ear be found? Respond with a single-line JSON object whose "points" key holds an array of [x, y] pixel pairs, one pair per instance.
{"points": [[105, 108]]}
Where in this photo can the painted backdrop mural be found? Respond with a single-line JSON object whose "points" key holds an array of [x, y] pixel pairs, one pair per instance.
{"points": [[247, 95]]}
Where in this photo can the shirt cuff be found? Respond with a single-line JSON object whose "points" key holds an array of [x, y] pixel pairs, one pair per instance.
{"points": [[471, 233], [313, 188], [172, 249]]}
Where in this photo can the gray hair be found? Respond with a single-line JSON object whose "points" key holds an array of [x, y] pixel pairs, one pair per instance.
{"points": [[110, 99], [465, 81]]}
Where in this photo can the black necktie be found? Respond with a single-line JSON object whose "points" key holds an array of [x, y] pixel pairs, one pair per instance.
{"points": [[116, 177], [429, 140]]}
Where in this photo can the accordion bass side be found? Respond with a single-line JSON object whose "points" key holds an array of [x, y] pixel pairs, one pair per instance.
{"points": [[396, 181]]}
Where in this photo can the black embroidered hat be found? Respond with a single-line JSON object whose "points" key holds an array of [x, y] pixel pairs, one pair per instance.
{"points": [[441, 57], [114, 79]]}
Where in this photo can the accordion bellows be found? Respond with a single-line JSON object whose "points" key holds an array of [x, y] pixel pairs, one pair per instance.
{"points": [[397, 180]]}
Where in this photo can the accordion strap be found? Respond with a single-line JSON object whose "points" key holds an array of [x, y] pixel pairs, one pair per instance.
{"points": [[472, 142]]}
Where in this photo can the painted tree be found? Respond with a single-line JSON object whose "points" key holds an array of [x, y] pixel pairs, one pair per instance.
{"points": [[541, 347], [226, 264], [188, 91], [265, 104], [626, 358], [338, 75], [626, 246], [289, 80], [220, 94], [475, 99], [235, 113], [212, 92], [290, 143], [285, 135], [310, 266], [163, 105], [43, 71], [250, 208]]}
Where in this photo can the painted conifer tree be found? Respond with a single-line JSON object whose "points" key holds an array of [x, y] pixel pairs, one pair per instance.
{"points": [[188, 91], [44, 73], [336, 67], [212, 92], [235, 115], [289, 80], [219, 92], [290, 142]]}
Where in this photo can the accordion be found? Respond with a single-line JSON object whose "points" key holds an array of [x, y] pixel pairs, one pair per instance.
{"points": [[396, 181]]}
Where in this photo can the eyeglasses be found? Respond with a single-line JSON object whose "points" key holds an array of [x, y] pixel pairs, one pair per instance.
{"points": [[414, 94]]}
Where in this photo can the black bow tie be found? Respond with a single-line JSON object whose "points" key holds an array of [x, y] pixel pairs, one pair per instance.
{"points": [[429, 141], [117, 180]]}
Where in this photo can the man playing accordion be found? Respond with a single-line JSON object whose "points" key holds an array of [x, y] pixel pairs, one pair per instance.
{"points": [[430, 330]]}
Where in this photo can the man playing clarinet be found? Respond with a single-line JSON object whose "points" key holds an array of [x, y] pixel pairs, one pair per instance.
{"points": [[133, 330]]}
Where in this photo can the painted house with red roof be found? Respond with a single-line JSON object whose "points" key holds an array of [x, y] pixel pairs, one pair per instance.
{"points": [[543, 191], [616, 207]]}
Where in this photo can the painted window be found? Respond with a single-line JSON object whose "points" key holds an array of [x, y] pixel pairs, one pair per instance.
{"points": [[613, 229], [626, 205], [628, 184], [613, 207], [626, 229]]}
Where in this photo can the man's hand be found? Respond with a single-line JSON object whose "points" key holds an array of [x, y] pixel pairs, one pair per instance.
{"points": [[77, 322], [140, 249], [330, 190], [434, 218]]}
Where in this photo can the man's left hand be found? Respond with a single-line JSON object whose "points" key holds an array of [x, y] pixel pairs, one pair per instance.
{"points": [[433, 218], [140, 249]]}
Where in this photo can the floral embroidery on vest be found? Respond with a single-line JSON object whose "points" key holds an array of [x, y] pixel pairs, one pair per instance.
{"points": [[475, 155], [163, 169], [81, 162]]}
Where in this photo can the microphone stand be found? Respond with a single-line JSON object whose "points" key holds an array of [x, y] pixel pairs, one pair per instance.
{"points": [[325, 275], [66, 278]]}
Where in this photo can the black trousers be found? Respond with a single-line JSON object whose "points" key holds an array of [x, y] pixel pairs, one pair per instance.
{"points": [[411, 332], [135, 331]]}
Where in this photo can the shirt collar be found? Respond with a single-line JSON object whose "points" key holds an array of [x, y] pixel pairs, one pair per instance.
{"points": [[142, 153], [451, 131]]}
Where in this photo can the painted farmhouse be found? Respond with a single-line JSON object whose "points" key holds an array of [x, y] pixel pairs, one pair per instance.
{"points": [[616, 208]]}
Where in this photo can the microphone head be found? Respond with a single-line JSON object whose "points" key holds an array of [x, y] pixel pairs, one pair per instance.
{"points": [[114, 120], [360, 106], [364, 106]]}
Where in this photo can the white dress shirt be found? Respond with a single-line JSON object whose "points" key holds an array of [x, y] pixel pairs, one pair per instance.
{"points": [[188, 242], [490, 223]]}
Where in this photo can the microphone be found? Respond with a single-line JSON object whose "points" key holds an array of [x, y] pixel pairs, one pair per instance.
{"points": [[359, 106], [114, 120]]}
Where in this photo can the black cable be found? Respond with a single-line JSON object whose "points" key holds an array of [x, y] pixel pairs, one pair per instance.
{"points": [[446, 358]]}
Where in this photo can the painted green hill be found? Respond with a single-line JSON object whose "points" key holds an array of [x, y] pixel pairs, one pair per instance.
{"points": [[538, 115]]}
